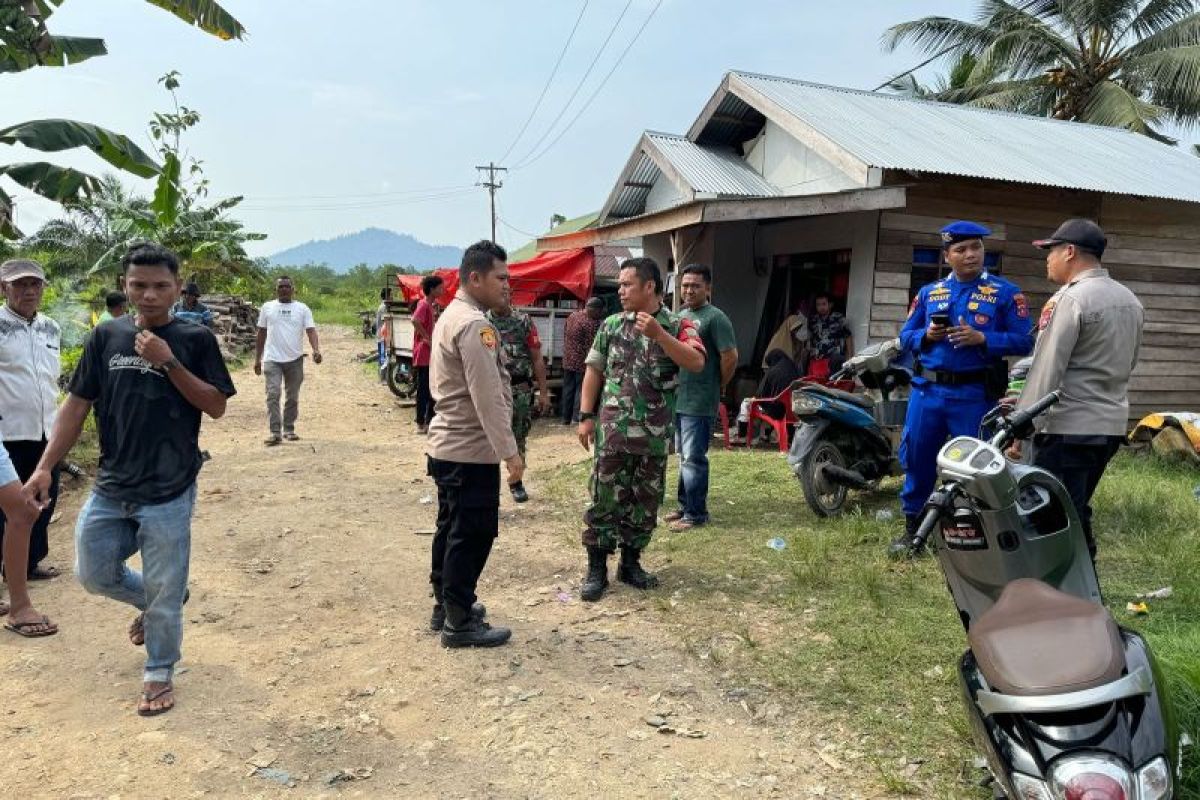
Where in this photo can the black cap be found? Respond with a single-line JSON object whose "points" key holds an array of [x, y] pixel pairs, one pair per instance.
{"points": [[1083, 233], [192, 289]]}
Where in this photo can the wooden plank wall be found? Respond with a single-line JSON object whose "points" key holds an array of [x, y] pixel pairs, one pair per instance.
{"points": [[1154, 249]]}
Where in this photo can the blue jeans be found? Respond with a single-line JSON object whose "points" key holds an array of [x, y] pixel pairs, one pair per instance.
{"points": [[692, 436], [107, 533]]}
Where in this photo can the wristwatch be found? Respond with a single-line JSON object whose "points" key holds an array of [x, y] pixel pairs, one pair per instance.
{"points": [[170, 364], [584, 416]]}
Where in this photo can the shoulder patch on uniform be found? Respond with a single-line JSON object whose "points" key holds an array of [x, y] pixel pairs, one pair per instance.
{"points": [[487, 335], [1047, 313], [1022, 305]]}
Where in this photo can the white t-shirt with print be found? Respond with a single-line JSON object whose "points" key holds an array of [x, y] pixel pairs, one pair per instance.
{"points": [[285, 324]]}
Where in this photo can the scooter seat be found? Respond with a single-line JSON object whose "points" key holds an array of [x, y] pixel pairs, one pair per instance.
{"points": [[838, 394], [1037, 640]]}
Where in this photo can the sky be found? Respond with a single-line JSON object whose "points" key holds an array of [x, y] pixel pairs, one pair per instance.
{"points": [[336, 115]]}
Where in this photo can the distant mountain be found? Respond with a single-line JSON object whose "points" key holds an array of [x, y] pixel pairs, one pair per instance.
{"points": [[372, 246]]}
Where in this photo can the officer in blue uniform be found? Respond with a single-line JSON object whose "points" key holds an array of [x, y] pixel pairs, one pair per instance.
{"points": [[958, 332]]}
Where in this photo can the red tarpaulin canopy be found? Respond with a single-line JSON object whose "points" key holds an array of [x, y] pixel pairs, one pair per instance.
{"points": [[545, 275]]}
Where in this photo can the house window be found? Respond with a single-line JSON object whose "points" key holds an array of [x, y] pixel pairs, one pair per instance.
{"points": [[928, 267]]}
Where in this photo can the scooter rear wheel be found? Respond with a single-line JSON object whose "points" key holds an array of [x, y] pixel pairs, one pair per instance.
{"points": [[823, 496], [400, 380]]}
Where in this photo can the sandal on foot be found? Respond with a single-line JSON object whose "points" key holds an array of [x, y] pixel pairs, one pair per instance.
{"points": [[271, 441], [291, 437], [145, 711], [33, 630], [137, 630]]}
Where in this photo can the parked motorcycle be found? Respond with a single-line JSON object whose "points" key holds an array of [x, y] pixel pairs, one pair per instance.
{"points": [[1064, 703], [845, 440]]}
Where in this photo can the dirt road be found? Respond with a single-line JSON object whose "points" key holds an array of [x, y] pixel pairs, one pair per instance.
{"points": [[308, 669]]}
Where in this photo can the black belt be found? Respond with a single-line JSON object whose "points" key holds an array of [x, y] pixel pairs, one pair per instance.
{"points": [[950, 378]]}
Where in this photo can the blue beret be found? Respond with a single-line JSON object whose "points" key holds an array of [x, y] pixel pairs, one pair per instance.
{"points": [[961, 230]]}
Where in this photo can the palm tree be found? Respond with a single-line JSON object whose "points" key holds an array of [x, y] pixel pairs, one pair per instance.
{"points": [[960, 73], [1131, 64], [26, 43]]}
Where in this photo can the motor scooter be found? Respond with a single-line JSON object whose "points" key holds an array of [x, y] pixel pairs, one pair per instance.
{"points": [[846, 440], [1064, 703]]}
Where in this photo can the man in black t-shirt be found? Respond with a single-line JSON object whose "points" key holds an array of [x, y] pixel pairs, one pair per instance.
{"points": [[148, 379]]}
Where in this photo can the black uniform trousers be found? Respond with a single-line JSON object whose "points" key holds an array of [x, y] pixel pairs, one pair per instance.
{"points": [[25, 456], [1078, 462], [467, 525], [424, 395]]}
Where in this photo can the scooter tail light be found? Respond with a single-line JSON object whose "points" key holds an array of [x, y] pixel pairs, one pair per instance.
{"points": [[1154, 780], [1091, 778], [1028, 788]]}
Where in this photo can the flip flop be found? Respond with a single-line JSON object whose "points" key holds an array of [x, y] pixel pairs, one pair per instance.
{"points": [[27, 629], [150, 698], [40, 573], [291, 437]]}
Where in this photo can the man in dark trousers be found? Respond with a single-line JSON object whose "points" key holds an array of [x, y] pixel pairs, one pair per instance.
{"points": [[578, 334], [1089, 335], [468, 438], [148, 378], [423, 321], [29, 368]]}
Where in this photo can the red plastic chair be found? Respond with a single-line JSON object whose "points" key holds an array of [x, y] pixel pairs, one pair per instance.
{"points": [[780, 426]]}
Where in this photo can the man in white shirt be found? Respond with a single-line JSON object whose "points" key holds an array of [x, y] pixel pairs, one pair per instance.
{"points": [[29, 368], [279, 354]]}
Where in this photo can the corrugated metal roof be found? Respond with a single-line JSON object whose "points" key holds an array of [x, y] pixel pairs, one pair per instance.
{"points": [[709, 170], [893, 132]]}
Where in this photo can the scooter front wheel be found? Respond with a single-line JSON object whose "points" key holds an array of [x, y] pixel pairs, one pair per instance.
{"points": [[825, 497]]}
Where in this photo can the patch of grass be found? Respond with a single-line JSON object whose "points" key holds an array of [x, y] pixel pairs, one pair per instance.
{"points": [[835, 624]]}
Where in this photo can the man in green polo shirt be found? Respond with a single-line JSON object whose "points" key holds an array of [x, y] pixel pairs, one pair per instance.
{"points": [[699, 395]]}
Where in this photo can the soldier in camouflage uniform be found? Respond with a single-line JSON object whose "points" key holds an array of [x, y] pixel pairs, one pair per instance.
{"points": [[523, 358], [632, 374]]}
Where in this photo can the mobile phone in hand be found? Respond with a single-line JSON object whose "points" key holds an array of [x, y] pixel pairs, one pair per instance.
{"points": [[941, 320]]}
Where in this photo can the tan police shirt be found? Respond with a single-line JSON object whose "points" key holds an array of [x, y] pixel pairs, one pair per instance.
{"points": [[1087, 346], [472, 420]]}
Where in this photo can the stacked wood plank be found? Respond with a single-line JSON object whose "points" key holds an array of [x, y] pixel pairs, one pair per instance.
{"points": [[235, 324]]}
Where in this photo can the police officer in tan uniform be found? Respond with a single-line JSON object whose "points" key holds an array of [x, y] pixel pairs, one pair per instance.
{"points": [[1087, 346], [471, 433]]}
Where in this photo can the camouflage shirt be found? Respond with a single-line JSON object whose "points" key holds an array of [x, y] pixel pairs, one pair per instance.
{"points": [[637, 405], [518, 338], [827, 335]]}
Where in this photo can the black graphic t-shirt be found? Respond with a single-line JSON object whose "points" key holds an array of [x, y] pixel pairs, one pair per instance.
{"points": [[149, 434]]}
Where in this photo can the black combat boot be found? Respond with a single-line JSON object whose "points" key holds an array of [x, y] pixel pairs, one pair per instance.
{"points": [[518, 492], [464, 630], [437, 620], [899, 548], [596, 580], [630, 570]]}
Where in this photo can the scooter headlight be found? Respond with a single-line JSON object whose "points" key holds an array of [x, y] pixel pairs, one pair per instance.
{"points": [[1029, 788], [803, 404], [1091, 778], [1154, 780]]}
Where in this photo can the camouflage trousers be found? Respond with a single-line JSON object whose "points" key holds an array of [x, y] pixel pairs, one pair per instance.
{"points": [[522, 418], [626, 493]]}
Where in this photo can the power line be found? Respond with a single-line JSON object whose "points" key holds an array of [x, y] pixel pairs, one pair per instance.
{"points": [[362, 205], [586, 105], [546, 88], [398, 192], [582, 81]]}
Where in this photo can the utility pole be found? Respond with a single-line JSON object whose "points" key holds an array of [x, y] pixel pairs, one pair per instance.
{"points": [[492, 185]]}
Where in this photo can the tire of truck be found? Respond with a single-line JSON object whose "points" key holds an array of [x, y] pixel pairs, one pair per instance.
{"points": [[400, 380], [824, 497]]}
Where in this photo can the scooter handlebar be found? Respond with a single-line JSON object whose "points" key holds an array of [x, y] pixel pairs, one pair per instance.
{"points": [[1015, 425], [924, 530]]}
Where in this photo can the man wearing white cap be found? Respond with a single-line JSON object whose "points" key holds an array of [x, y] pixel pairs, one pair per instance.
{"points": [[29, 368]]}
